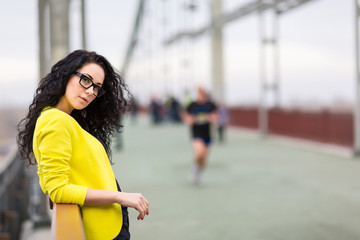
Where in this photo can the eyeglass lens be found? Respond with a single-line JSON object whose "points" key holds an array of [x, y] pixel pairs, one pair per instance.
{"points": [[87, 83]]}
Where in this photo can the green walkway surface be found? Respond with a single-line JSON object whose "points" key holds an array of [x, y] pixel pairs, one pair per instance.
{"points": [[253, 189]]}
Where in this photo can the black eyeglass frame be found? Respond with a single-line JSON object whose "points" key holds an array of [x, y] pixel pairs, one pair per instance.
{"points": [[100, 91]]}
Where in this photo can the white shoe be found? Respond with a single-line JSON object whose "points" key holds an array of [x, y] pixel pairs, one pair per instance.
{"points": [[198, 181], [195, 178]]}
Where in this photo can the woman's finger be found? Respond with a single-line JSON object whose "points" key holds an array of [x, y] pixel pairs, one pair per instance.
{"points": [[145, 208], [141, 209]]}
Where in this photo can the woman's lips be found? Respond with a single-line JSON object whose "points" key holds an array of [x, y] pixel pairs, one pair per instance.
{"points": [[84, 99]]}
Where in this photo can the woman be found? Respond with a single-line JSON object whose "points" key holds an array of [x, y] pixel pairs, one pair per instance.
{"points": [[76, 109]]}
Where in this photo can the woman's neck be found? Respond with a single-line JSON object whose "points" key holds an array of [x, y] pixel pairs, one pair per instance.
{"points": [[64, 106]]}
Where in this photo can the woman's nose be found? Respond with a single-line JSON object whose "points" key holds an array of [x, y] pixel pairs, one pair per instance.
{"points": [[90, 90]]}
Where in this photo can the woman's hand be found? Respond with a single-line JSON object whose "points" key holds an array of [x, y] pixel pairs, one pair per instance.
{"points": [[134, 200]]}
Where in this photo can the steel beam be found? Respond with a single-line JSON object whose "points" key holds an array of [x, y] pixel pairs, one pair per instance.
{"points": [[282, 6], [134, 36]]}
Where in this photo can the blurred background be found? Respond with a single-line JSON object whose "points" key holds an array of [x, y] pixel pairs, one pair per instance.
{"points": [[287, 71]]}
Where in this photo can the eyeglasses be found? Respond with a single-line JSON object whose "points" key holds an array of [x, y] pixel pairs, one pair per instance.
{"points": [[87, 83]]}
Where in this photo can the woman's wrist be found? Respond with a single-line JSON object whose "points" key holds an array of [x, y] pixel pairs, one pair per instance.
{"points": [[119, 197]]}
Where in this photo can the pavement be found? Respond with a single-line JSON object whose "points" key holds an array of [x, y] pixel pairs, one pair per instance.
{"points": [[31, 233], [252, 189]]}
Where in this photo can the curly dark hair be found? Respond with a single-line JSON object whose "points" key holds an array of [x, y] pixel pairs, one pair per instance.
{"points": [[102, 118]]}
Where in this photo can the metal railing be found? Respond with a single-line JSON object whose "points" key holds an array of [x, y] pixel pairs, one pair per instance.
{"points": [[14, 195]]}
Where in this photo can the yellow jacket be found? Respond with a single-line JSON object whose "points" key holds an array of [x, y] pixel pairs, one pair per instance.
{"points": [[70, 160]]}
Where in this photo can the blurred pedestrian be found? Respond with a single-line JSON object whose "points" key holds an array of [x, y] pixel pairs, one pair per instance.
{"points": [[76, 110], [222, 122], [200, 114], [174, 110], [156, 110], [134, 110]]}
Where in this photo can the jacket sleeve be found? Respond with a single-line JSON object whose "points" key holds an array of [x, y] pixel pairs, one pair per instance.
{"points": [[55, 148]]}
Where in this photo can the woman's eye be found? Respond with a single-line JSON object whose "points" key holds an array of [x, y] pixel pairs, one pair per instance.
{"points": [[87, 80]]}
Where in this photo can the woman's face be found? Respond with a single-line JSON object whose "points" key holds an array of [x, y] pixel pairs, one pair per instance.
{"points": [[76, 96]]}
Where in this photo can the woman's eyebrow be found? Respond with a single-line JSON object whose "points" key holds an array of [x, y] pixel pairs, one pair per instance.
{"points": [[88, 75]]}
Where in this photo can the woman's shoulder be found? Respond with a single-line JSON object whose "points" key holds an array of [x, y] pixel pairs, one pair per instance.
{"points": [[50, 112], [53, 116]]}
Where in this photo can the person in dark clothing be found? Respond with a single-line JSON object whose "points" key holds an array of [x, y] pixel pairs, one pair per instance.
{"points": [[134, 109], [156, 110], [223, 120], [200, 114], [174, 110]]}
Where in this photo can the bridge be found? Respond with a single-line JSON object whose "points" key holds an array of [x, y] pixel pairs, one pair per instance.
{"points": [[252, 188], [270, 180]]}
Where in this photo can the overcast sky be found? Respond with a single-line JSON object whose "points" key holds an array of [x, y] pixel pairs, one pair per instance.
{"points": [[109, 26], [317, 48]]}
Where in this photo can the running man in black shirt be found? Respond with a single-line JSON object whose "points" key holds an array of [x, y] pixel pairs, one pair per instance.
{"points": [[200, 114]]}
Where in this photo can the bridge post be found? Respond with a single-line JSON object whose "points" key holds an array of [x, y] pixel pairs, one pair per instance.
{"points": [[217, 67], [269, 73], [83, 25], [44, 55], [59, 29], [356, 148]]}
